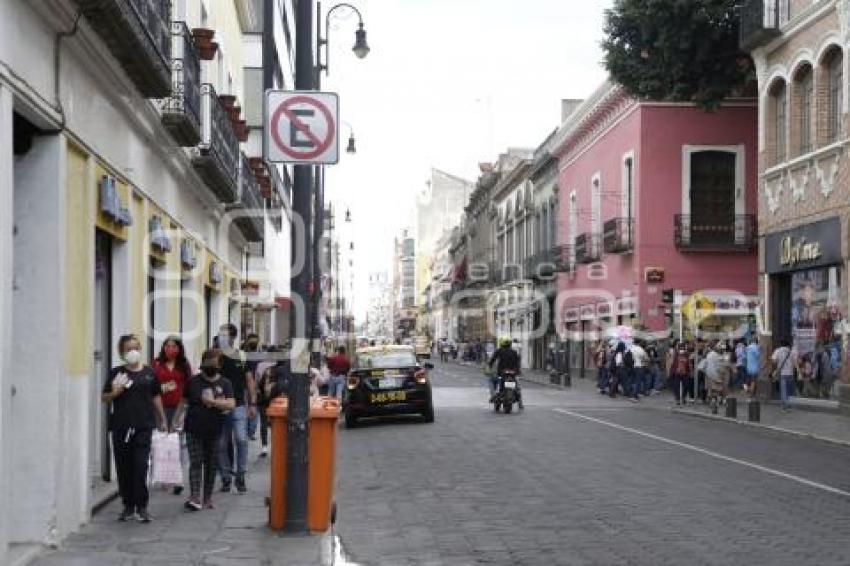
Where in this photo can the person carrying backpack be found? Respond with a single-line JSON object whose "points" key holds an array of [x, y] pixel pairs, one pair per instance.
{"points": [[618, 371], [633, 375], [680, 374]]}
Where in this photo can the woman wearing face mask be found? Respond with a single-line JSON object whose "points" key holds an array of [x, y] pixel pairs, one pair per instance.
{"points": [[136, 403], [206, 399], [172, 371]]}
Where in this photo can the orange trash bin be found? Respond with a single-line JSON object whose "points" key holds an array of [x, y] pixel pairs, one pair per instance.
{"points": [[277, 413], [321, 462]]}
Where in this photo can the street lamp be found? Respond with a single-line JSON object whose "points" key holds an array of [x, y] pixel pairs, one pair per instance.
{"points": [[348, 215], [361, 47], [352, 148]]}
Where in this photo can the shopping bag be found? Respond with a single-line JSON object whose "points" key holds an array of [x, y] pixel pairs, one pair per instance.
{"points": [[165, 458]]}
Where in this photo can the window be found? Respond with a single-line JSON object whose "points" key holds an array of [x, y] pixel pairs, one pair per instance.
{"points": [[806, 90], [628, 187], [836, 90], [253, 96], [780, 121]]}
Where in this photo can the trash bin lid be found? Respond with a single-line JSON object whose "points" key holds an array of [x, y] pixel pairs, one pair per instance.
{"points": [[324, 408], [278, 407]]}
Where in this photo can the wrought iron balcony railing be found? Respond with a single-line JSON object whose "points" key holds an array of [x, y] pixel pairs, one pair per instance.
{"points": [[249, 210], [737, 234], [761, 21], [588, 248], [217, 156], [181, 112], [617, 235], [138, 34]]}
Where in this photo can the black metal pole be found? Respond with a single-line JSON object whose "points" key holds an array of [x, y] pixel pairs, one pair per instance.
{"points": [[318, 206], [299, 391]]}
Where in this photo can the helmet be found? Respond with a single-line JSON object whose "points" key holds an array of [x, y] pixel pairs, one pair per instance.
{"points": [[505, 342]]}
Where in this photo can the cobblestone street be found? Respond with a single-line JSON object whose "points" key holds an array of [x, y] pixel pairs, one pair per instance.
{"points": [[575, 479]]}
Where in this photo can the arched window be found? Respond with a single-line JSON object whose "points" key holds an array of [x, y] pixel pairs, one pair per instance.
{"points": [[778, 122], [804, 87], [835, 106]]}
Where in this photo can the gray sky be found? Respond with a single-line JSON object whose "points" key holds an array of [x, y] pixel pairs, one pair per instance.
{"points": [[448, 83]]}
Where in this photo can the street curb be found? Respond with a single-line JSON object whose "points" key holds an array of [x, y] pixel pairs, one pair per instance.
{"points": [[720, 418], [755, 425]]}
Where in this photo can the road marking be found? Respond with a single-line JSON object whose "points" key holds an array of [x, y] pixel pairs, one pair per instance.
{"points": [[710, 453]]}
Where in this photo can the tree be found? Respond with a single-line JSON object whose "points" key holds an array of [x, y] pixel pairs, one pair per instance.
{"points": [[682, 50]]}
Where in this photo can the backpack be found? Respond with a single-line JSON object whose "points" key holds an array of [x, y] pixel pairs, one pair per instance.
{"points": [[681, 366], [629, 359]]}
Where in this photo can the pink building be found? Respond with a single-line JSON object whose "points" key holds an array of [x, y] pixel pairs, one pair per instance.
{"points": [[657, 201]]}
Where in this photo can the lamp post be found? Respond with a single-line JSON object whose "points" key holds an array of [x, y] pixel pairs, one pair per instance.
{"points": [[360, 49]]}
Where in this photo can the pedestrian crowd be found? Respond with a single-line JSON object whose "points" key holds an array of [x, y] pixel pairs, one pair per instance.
{"points": [[215, 412], [710, 371], [689, 370]]}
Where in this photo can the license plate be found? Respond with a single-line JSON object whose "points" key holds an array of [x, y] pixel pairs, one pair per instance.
{"points": [[389, 383], [510, 385], [389, 397]]}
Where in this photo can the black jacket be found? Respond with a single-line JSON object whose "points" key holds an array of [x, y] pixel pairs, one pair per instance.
{"points": [[507, 358]]}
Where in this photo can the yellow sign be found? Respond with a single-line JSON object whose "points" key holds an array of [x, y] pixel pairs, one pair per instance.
{"points": [[697, 308]]}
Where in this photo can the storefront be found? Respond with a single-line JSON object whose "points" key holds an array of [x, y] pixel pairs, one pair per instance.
{"points": [[806, 296]]}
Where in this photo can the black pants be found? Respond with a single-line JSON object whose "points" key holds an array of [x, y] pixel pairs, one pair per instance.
{"points": [[264, 425], [203, 456], [132, 450]]}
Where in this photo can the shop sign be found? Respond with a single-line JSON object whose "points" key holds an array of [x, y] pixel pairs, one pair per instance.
{"points": [[570, 314], [654, 274], [626, 306], [588, 312], [603, 309], [812, 245]]}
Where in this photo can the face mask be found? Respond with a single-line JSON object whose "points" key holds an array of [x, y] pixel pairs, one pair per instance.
{"points": [[210, 371], [171, 352], [132, 357]]}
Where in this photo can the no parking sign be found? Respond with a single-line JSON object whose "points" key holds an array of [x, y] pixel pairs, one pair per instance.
{"points": [[301, 127]]}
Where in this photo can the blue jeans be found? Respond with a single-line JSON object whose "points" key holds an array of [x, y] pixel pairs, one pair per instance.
{"points": [[740, 377], [336, 385], [640, 381], [602, 379], [786, 387], [235, 425]]}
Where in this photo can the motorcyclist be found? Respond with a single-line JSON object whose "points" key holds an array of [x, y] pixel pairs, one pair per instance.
{"points": [[506, 358]]}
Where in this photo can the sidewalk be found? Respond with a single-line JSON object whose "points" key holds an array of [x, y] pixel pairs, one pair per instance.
{"points": [[233, 533], [826, 426]]}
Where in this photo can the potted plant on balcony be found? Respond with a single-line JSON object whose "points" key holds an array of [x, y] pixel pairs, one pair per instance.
{"points": [[257, 164], [234, 112], [227, 101], [202, 38], [265, 186], [242, 130]]}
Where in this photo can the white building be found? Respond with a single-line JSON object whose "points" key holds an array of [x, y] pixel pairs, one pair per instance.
{"points": [[136, 208]]}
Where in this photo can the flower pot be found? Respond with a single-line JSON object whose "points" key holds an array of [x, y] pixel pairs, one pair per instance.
{"points": [[227, 100], [206, 52], [203, 34], [242, 131], [234, 112], [257, 164]]}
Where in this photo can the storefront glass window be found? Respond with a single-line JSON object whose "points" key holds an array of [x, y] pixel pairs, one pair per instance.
{"points": [[815, 317]]}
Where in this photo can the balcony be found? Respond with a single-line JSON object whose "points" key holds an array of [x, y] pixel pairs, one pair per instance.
{"points": [[760, 22], [248, 210], [541, 266], [587, 248], [617, 236], [138, 34], [181, 112], [217, 156], [739, 234]]}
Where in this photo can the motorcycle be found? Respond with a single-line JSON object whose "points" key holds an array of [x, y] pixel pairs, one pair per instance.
{"points": [[507, 392]]}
